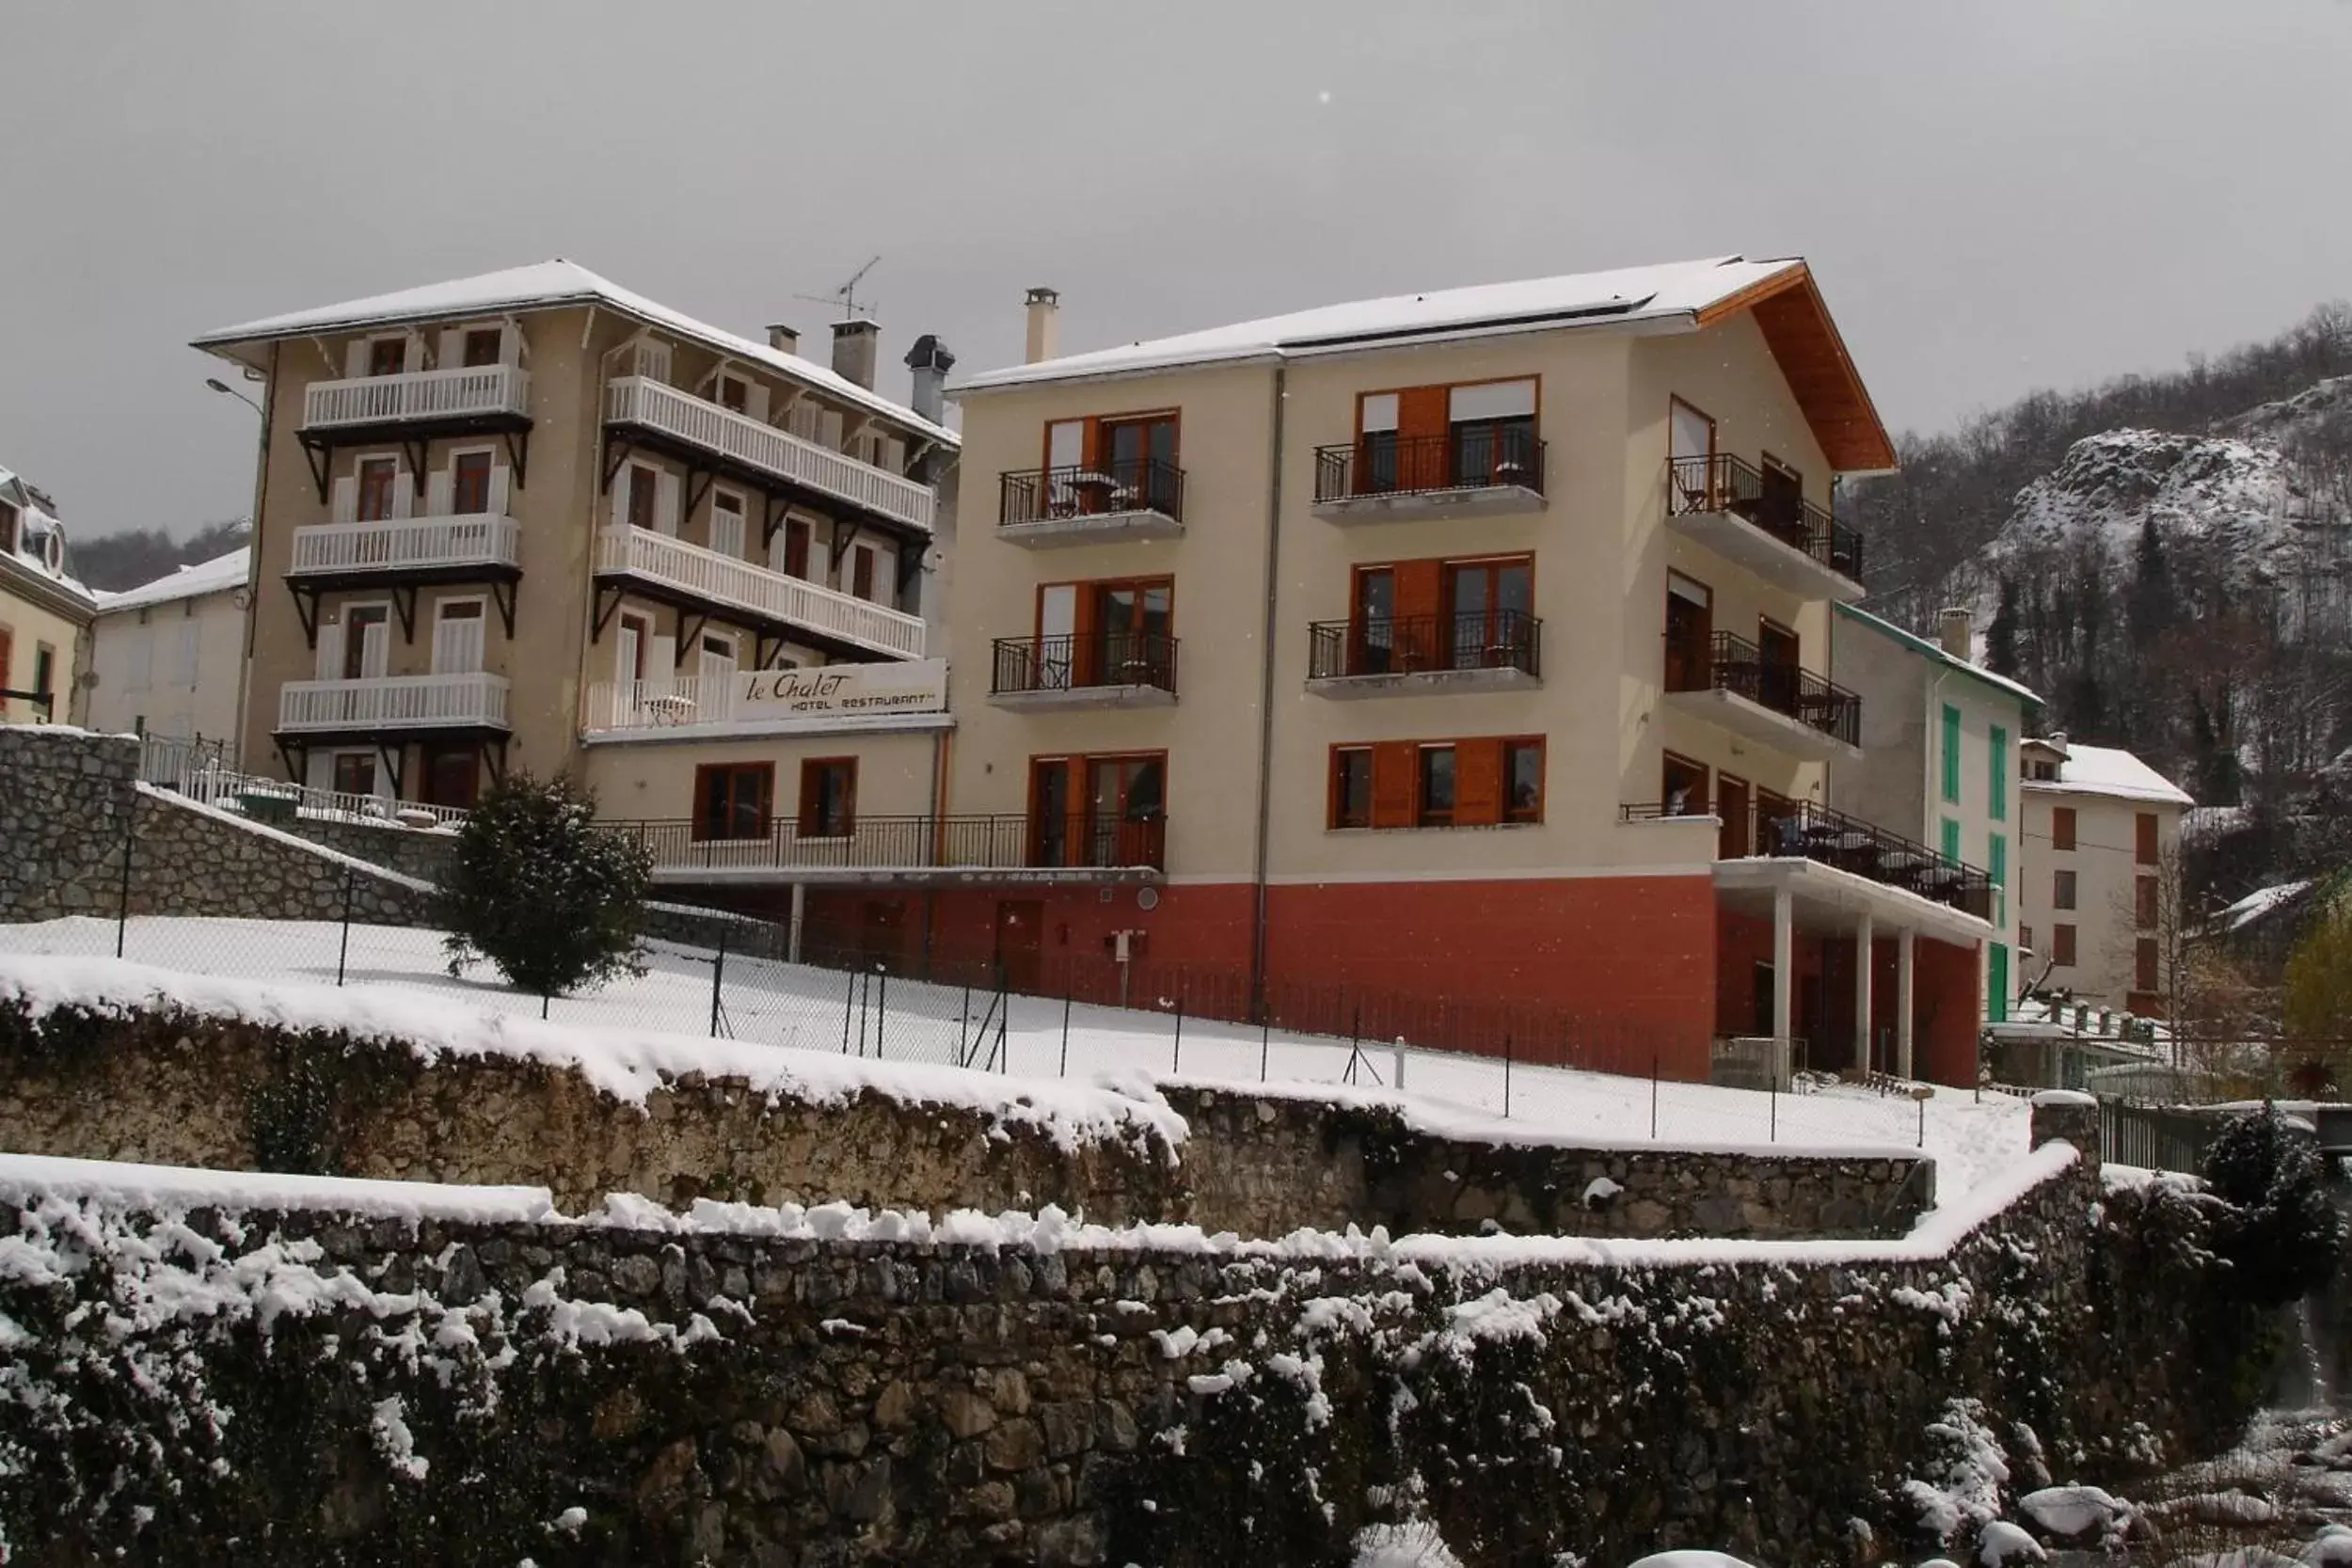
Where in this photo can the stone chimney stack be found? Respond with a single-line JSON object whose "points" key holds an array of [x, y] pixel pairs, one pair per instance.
{"points": [[1953, 632], [854, 344], [1044, 324], [931, 362], [785, 339]]}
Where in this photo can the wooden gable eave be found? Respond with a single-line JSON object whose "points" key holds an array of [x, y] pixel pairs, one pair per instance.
{"points": [[1806, 343]]}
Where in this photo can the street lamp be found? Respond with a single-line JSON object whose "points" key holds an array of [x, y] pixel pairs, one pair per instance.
{"points": [[219, 386]]}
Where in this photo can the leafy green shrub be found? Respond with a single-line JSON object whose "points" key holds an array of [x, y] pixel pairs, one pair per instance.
{"points": [[2284, 1237], [537, 888]]}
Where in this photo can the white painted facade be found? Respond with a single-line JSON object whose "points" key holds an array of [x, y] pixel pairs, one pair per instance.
{"points": [[167, 656]]}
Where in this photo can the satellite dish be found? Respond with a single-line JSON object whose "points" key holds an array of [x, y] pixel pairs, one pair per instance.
{"points": [[1147, 899]]}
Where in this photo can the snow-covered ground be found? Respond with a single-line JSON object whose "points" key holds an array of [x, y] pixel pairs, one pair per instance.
{"points": [[819, 1010]]}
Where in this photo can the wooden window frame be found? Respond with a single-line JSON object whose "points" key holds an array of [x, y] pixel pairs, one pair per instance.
{"points": [[2064, 892], [2147, 838], [359, 467], [766, 772], [1512, 815], [809, 824], [467, 337], [1336, 816], [719, 380], [652, 492], [335, 771], [458, 455], [2064, 953], [376, 342], [1424, 814], [2147, 965], [1705, 799], [2062, 827], [354, 648], [2147, 903]]}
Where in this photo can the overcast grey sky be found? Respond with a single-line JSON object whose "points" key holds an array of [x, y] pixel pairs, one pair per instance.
{"points": [[1996, 197]]}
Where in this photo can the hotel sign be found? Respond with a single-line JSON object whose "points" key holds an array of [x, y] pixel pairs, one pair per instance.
{"points": [[844, 690]]}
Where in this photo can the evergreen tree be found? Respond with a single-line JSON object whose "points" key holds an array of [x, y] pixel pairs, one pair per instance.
{"points": [[2001, 638], [2284, 1237], [535, 887], [2152, 607], [2213, 755]]}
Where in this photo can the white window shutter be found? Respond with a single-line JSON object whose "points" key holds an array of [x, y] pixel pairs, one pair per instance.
{"points": [[439, 493], [625, 654], [415, 359], [452, 351], [498, 489], [617, 495], [832, 428], [662, 663], [376, 647], [346, 498], [755, 403], [510, 343], [665, 503], [356, 359], [330, 660], [403, 493]]}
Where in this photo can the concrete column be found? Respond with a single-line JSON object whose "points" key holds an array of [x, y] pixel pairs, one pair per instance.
{"points": [[1784, 965], [800, 909], [1903, 940], [1864, 935]]}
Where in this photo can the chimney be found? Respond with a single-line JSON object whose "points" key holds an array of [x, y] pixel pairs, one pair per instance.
{"points": [[783, 339], [853, 346], [1044, 324], [1952, 631], [931, 362]]}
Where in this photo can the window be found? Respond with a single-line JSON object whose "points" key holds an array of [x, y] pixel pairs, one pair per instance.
{"points": [[735, 393], [1104, 633], [643, 481], [1490, 428], [1997, 872], [1441, 437], [482, 346], [1950, 844], [470, 484], [1523, 780], [2062, 946], [366, 629], [1683, 787], [1691, 452], [2062, 890], [2061, 827], [8, 528], [377, 475], [355, 773], [1779, 677], [629, 645], [1780, 499], [1351, 786], [458, 637], [726, 524], [2144, 838], [1997, 785], [388, 357], [861, 571], [828, 797], [2144, 965], [453, 775], [1996, 982], [2024, 938], [796, 534], [45, 669], [1139, 457], [1489, 604], [731, 798], [2145, 903], [1435, 798], [1690, 634], [1951, 755]]}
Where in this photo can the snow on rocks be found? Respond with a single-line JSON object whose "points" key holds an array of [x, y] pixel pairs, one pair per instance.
{"points": [[1416, 1544], [2075, 1512], [2330, 1548], [1687, 1559], [1966, 1492], [2001, 1544]]}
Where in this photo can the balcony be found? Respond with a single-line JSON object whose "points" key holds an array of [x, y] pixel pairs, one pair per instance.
{"points": [[693, 579], [1760, 520], [408, 548], [1474, 471], [1104, 669], [1137, 498], [483, 397], [762, 454], [1799, 830], [393, 704], [1772, 702], [935, 850], [1412, 655]]}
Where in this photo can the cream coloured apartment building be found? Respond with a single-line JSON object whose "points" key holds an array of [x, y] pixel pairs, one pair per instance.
{"points": [[533, 520], [1471, 642], [2100, 883], [44, 613], [167, 657]]}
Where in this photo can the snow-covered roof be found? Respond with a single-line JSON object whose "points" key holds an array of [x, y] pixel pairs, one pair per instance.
{"points": [[2260, 902], [218, 574], [1930, 649], [2108, 771], [39, 545], [545, 285], [1627, 294]]}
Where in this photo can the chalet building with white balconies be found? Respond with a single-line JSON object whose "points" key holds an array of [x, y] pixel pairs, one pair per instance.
{"points": [[531, 519], [1474, 643]]}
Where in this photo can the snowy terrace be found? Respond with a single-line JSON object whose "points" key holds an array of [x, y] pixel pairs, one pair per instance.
{"points": [[396, 981]]}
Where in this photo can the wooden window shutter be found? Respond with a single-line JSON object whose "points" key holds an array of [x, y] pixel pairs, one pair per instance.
{"points": [[1085, 656], [1394, 764], [812, 787], [1420, 641], [2144, 837], [1422, 422], [1477, 782]]}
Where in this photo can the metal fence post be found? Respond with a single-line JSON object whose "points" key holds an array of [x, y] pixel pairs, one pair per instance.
{"points": [[1923, 1124], [718, 979], [849, 999], [1506, 1078], [964, 1026], [1772, 1092], [545, 1000], [342, 952], [130, 835], [1653, 1097], [1176, 1056], [1265, 1039], [882, 1010], [1001, 1058], [1065, 1031]]}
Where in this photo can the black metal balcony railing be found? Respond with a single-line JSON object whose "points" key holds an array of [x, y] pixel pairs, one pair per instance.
{"points": [[1092, 490], [1769, 502], [1410, 645], [1001, 841], [1735, 665], [1472, 458], [1801, 830], [1071, 662]]}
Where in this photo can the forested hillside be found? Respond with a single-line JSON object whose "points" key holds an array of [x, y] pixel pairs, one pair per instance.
{"points": [[115, 561]]}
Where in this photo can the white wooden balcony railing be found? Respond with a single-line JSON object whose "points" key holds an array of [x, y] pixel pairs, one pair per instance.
{"points": [[722, 580], [405, 544], [394, 702], [481, 389], [635, 400]]}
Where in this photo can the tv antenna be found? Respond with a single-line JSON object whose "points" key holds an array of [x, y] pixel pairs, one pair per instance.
{"points": [[846, 296]]}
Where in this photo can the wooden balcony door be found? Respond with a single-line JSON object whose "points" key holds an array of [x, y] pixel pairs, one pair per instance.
{"points": [[1781, 507], [1731, 804], [457, 637], [1128, 642], [1141, 462], [1126, 798], [1690, 634], [1372, 623], [1490, 603], [1777, 676]]}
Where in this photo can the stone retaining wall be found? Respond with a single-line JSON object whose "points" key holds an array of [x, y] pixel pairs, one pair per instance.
{"points": [[66, 799], [176, 1086], [464, 1392]]}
